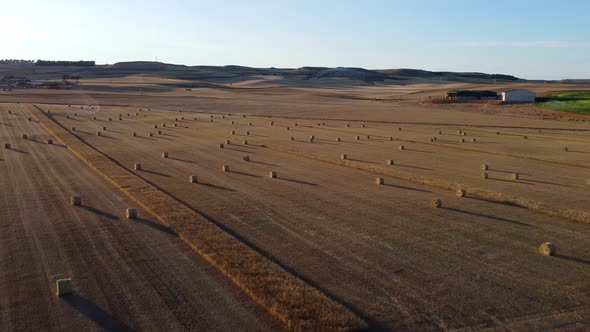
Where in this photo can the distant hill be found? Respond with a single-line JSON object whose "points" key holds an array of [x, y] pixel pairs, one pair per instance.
{"points": [[237, 73]]}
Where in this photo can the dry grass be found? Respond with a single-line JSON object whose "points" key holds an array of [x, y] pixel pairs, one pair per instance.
{"points": [[296, 304]]}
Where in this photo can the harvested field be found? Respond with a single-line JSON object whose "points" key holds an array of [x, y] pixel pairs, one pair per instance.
{"points": [[305, 205]]}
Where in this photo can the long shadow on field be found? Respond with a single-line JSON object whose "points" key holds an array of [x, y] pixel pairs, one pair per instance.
{"points": [[577, 151], [263, 163], [109, 137], [508, 172], [17, 150], [210, 185], [155, 226], [404, 187], [5, 124], [550, 183], [511, 181], [99, 212], [416, 167], [298, 181], [491, 201], [363, 161], [416, 150], [573, 259], [488, 216], [155, 173], [95, 313], [373, 324], [247, 174], [183, 160], [239, 150]]}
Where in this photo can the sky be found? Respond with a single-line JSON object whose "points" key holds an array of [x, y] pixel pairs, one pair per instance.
{"points": [[529, 39]]}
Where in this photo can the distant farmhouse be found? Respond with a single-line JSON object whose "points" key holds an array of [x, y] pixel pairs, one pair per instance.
{"points": [[518, 96], [472, 95], [509, 96]]}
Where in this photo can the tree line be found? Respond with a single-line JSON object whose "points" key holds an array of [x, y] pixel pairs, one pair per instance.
{"points": [[80, 63]]}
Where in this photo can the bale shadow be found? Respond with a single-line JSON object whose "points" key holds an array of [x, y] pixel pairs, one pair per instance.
{"points": [[95, 313], [421, 151], [408, 188], [491, 201], [416, 167], [6, 124], [17, 150], [247, 174], [109, 137], [183, 160], [488, 216], [573, 259], [210, 185], [155, 173], [156, 226], [263, 163], [238, 150], [363, 161], [100, 212], [578, 151], [511, 181], [297, 181], [550, 183], [507, 172]]}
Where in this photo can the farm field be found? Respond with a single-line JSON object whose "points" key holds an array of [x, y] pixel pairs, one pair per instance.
{"points": [[382, 251], [575, 102], [126, 275]]}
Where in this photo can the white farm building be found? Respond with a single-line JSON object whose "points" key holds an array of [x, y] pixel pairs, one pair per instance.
{"points": [[518, 96]]}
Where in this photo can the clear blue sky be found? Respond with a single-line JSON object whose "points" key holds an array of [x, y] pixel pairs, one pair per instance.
{"points": [[530, 39]]}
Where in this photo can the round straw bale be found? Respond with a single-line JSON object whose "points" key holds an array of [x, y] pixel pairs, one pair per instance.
{"points": [[151, 134], [515, 176], [176, 125], [401, 147], [211, 120], [485, 167], [164, 154], [25, 136], [460, 193], [462, 140], [30, 119], [484, 175], [131, 213], [159, 132], [311, 137], [225, 168], [50, 141], [379, 181], [525, 137], [347, 125], [292, 138], [93, 118], [163, 125], [272, 123], [104, 128], [337, 139], [247, 133], [249, 123], [565, 149], [391, 138], [75, 200], [399, 129], [547, 249], [133, 134], [7, 146], [245, 142], [110, 119], [98, 133], [440, 132], [73, 128], [497, 133], [390, 162], [137, 167], [343, 156], [357, 138], [474, 140], [67, 116], [362, 126], [221, 145], [233, 132], [155, 126], [246, 158], [193, 179], [272, 174], [288, 128], [437, 203], [227, 142]]}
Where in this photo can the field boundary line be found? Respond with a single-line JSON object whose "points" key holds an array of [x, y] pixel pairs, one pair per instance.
{"points": [[571, 214], [298, 305]]}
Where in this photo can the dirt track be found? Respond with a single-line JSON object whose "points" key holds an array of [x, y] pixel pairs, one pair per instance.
{"points": [[383, 250], [127, 274]]}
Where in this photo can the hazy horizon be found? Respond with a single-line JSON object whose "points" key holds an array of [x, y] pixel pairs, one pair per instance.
{"points": [[525, 39]]}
